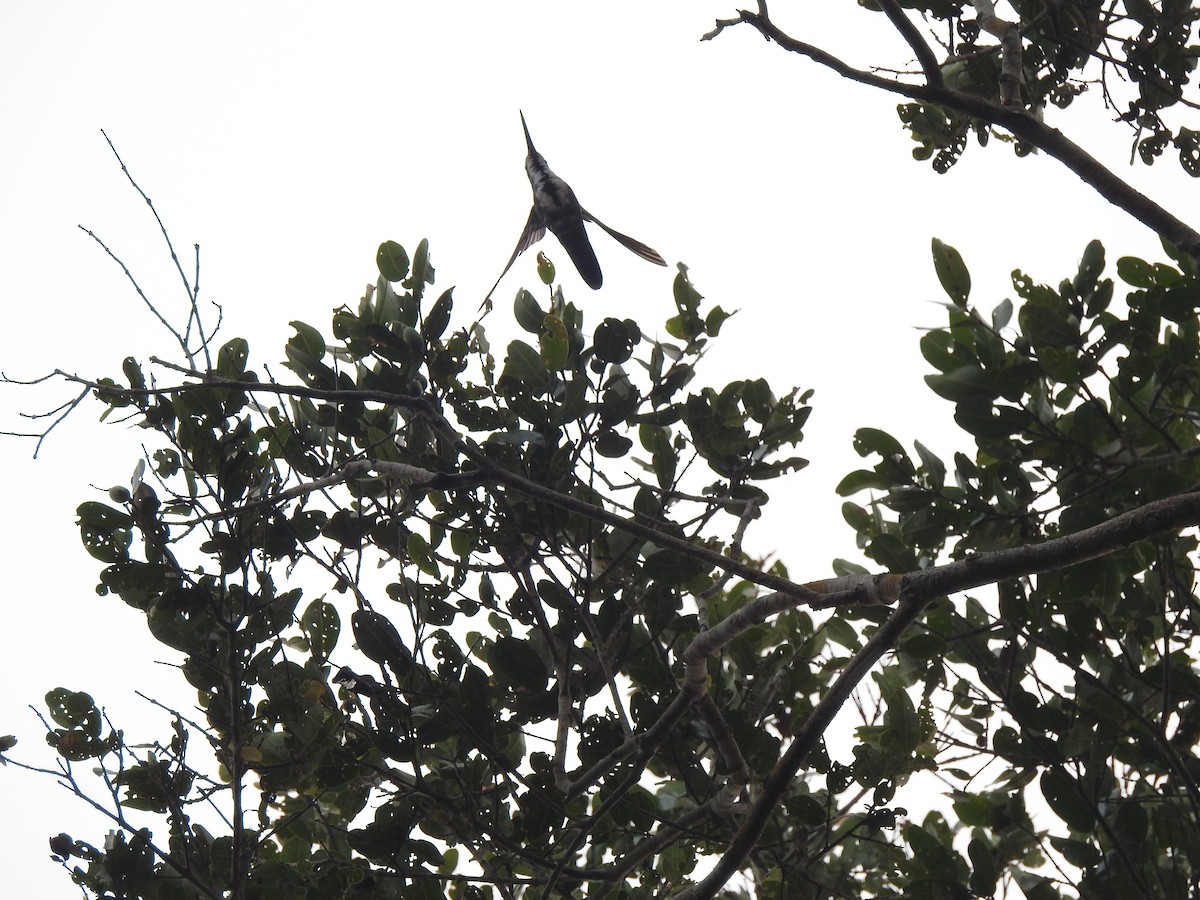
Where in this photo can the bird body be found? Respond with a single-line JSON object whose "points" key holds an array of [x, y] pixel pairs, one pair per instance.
{"points": [[557, 210]]}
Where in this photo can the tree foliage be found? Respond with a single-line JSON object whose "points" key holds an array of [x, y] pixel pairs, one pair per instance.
{"points": [[474, 623], [524, 706], [1079, 684]]}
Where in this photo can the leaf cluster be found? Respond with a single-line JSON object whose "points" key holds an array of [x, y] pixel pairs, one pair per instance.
{"points": [[562, 675], [1078, 684], [1140, 56], [510, 710]]}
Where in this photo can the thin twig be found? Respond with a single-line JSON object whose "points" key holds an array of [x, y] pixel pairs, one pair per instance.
{"points": [[67, 409], [137, 287], [191, 292]]}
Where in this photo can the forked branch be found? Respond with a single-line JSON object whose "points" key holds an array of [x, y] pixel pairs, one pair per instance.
{"points": [[1013, 119]]}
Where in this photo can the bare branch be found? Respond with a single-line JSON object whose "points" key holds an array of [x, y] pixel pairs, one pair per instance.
{"points": [[194, 314], [137, 287]]}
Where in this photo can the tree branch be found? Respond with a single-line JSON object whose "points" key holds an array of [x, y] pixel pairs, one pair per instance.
{"points": [[1049, 140], [916, 590], [191, 291], [911, 34], [1125, 530], [984, 568], [807, 737], [486, 469], [1010, 50]]}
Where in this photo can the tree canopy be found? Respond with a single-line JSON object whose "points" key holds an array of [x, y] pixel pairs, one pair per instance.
{"points": [[471, 622]]}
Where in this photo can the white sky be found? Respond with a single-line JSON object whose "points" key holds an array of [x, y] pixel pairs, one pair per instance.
{"points": [[289, 139]]}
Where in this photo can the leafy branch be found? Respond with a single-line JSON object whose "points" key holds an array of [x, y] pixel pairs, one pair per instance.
{"points": [[1015, 120]]}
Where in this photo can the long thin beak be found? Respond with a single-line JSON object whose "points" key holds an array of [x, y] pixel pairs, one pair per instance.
{"points": [[528, 139]]}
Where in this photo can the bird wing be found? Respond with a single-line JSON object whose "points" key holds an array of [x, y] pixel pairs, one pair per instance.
{"points": [[534, 231], [646, 253]]}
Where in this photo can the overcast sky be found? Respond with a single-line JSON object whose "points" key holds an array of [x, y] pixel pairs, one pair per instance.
{"points": [[289, 139]]}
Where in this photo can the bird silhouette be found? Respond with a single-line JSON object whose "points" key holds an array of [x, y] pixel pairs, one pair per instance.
{"points": [[555, 208]]}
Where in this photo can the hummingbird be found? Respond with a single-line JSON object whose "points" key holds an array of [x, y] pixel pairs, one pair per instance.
{"points": [[556, 208]]}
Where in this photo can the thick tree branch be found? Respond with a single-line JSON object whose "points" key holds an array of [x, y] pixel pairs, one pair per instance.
{"points": [[916, 589], [1125, 530], [1049, 140], [805, 739], [912, 35]]}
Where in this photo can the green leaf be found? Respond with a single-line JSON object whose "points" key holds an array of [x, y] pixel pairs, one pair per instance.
{"points": [[612, 445], [964, 383], [715, 319], [1136, 272], [525, 365], [1049, 323], [379, 641], [935, 469], [943, 352], [951, 272], [758, 399], [517, 665], [1179, 303], [675, 862], [805, 810], [904, 731], [1077, 853], [307, 342], [923, 645], [687, 325], [554, 343], [438, 317], [422, 271], [232, 358], [392, 261], [1063, 796], [980, 418], [842, 632], [862, 480], [420, 553], [106, 532], [1002, 314], [74, 709], [615, 339], [975, 810], [671, 568], [872, 440], [322, 625], [133, 373], [983, 868], [665, 461], [1090, 268], [528, 313], [1188, 143]]}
